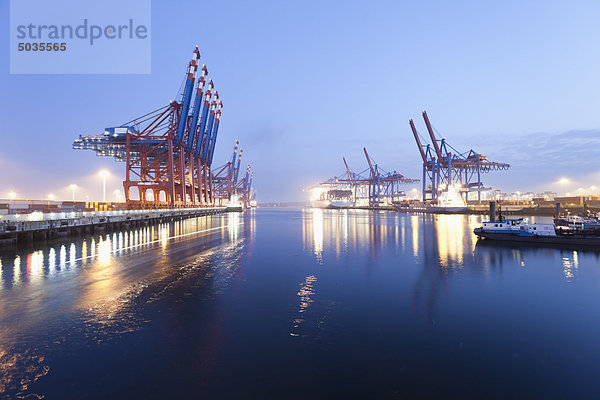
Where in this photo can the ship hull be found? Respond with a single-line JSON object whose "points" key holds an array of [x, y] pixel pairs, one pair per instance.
{"points": [[320, 203], [571, 240], [445, 210], [340, 204]]}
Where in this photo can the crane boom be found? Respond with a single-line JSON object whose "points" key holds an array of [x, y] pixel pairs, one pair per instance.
{"points": [[419, 145], [215, 131], [187, 97], [432, 135], [202, 126], [196, 110], [237, 169], [209, 128], [347, 169], [369, 162]]}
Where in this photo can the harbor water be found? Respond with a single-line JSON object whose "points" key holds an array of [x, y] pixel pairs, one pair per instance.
{"points": [[286, 303]]}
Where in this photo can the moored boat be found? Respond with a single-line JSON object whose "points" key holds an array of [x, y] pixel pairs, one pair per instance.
{"points": [[520, 230]]}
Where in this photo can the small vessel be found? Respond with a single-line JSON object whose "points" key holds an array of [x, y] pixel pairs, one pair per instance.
{"points": [[577, 221], [520, 230]]}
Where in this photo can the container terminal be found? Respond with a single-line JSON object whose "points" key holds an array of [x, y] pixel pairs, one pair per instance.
{"points": [[451, 182], [169, 173], [168, 152]]}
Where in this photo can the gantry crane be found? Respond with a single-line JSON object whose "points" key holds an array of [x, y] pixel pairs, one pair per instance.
{"points": [[168, 151], [444, 166], [373, 185]]}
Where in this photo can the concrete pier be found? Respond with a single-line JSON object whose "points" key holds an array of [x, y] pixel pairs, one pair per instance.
{"points": [[30, 228]]}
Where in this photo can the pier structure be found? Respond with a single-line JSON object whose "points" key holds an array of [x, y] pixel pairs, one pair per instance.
{"points": [[168, 153], [444, 167], [29, 228]]}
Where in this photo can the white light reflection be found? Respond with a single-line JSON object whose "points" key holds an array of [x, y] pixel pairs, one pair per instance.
{"points": [[93, 249], [52, 260], [72, 255], [17, 271], [305, 293], [233, 223], [36, 266], [104, 251], [414, 226], [317, 221], [164, 236], [570, 266], [62, 255]]}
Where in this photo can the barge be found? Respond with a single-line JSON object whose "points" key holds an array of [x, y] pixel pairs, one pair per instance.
{"points": [[520, 230]]}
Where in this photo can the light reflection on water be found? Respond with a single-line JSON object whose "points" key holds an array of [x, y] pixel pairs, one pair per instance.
{"points": [[100, 280], [442, 246], [375, 230], [383, 285], [305, 294]]}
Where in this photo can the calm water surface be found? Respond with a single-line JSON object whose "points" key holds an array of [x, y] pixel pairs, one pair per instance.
{"points": [[296, 304]]}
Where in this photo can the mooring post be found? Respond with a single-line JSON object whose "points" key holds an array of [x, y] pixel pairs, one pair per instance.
{"points": [[492, 211], [557, 210]]}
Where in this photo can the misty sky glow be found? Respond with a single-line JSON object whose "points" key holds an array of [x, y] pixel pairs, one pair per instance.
{"points": [[306, 83]]}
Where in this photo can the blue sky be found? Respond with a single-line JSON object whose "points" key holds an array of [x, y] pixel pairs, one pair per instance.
{"points": [[305, 83]]}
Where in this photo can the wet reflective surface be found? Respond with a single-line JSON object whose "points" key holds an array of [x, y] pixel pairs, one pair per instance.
{"points": [[290, 303]]}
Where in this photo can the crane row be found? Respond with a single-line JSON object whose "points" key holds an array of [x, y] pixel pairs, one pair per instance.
{"points": [[169, 152]]}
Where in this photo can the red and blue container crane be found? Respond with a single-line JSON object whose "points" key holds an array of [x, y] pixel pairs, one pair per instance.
{"points": [[169, 151]]}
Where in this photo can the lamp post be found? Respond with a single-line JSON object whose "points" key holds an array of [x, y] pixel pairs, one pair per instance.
{"points": [[564, 181], [73, 187], [12, 195], [104, 174]]}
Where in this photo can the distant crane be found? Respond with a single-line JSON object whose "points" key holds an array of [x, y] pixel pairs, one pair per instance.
{"points": [[226, 183], [373, 185], [444, 166]]}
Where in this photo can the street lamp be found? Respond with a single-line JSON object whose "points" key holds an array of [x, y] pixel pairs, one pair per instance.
{"points": [[73, 187], [12, 195], [104, 174], [117, 195], [564, 181]]}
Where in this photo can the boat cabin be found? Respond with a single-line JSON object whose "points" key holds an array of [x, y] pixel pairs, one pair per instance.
{"points": [[519, 225]]}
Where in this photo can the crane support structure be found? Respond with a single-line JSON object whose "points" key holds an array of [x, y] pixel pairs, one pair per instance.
{"points": [[444, 166], [168, 152]]}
